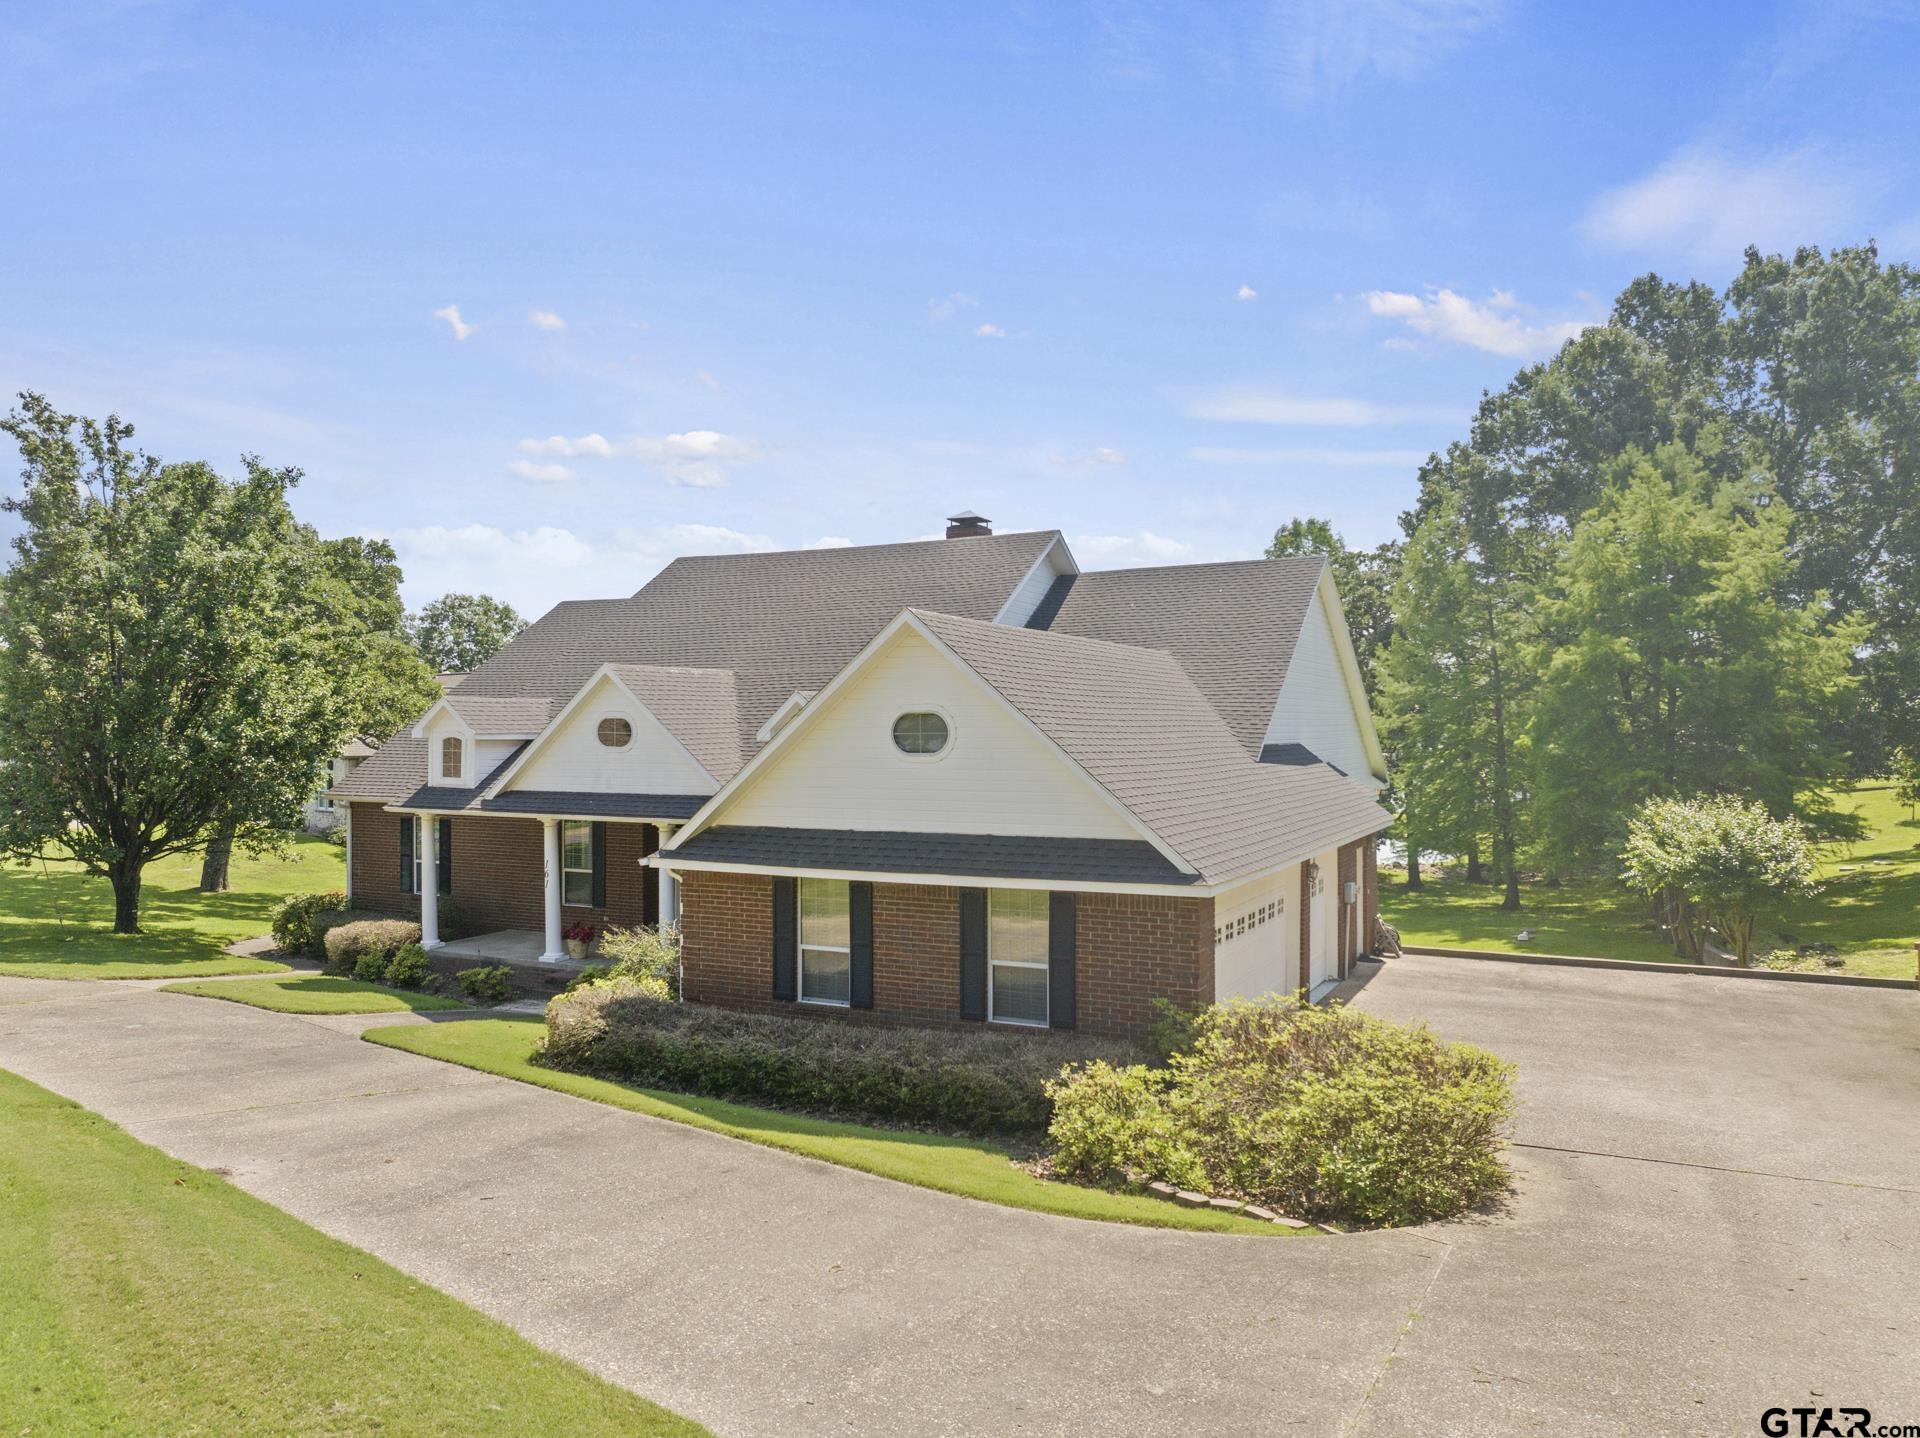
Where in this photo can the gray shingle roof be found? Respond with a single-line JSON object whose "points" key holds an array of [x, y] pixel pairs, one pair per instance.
{"points": [[699, 707], [1136, 722], [1232, 626], [985, 856], [487, 715], [780, 622]]}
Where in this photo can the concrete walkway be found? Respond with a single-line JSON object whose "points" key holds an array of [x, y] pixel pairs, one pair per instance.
{"points": [[1644, 1279]]}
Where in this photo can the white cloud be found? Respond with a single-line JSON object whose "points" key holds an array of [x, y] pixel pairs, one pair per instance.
{"points": [[1710, 205], [831, 541], [1314, 49], [545, 320], [696, 457], [1312, 458], [706, 378], [451, 314], [1493, 324], [1248, 405], [941, 310], [1130, 551], [547, 473], [1246, 292], [1087, 459], [990, 332], [705, 538]]}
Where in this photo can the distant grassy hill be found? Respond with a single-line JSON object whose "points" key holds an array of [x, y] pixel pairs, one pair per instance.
{"points": [[1868, 908]]}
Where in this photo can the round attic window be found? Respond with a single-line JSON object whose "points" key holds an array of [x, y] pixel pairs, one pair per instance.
{"points": [[922, 732], [615, 732]]}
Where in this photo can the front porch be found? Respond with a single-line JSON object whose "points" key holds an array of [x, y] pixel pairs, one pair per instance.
{"points": [[520, 950]]}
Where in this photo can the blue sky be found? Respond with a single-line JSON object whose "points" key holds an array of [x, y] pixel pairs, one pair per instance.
{"points": [[548, 298]]}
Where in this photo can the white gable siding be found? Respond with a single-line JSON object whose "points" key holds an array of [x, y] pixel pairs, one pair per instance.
{"points": [[1315, 707], [445, 726], [1257, 950], [574, 759], [996, 777], [1026, 598]]}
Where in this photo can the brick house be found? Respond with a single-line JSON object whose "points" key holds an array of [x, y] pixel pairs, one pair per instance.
{"points": [[946, 782]]}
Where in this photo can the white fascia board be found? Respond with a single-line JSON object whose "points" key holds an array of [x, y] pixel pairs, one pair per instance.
{"points": [[664, 859], [1319, 846], [538, 742], [1350, 668], [822, 703], [1055, 557], [559, 815], [799, 699]]}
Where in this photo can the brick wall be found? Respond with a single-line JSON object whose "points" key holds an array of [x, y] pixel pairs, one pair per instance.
{"points": [[498, 872], [1131, 950]]}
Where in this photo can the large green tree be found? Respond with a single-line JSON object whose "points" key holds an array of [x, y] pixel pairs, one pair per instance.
{"points": [[1672, 663], [458, 633], [165, 671]]}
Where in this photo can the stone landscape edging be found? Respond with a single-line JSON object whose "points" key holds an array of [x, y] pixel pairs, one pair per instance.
{"points": [[1642, 966]]}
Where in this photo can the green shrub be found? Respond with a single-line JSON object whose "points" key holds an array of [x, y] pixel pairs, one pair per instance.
{"points": [[346, 943], [1322, 1113], [970, 1081], [491, 984], [409, 967], [326, 921], [650, 955], [293, 919], [371, 967]]}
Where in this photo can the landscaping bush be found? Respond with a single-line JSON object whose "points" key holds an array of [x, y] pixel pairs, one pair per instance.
{"points": [[648, 955], [371, 966], [346, 943], [492, 984], [408, 968], [1319, 1113], [971, 1081], [293, 920]]}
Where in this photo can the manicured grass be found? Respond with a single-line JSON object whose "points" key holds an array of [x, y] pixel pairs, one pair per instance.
{"points": [[968, 1167], [57, 922], [139, 1295], [1868, 907], [312, 994]]}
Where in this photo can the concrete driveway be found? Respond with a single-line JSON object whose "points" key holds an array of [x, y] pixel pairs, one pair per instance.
{"points": [[1718, 1212]]}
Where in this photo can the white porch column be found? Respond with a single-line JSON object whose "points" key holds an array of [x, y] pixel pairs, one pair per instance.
{"points": [[550, 844], [427, 830], [669, 884]]}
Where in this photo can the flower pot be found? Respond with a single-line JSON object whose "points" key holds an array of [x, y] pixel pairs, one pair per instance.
{"points": [[576, 948]]}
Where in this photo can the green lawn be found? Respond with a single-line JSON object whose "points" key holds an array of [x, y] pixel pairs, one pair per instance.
{"points": [[139, 1295], [57, 923], [1868, 907], [312, 994], [968, 1167]]}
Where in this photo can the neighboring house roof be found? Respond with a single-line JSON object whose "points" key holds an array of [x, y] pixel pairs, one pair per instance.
{"points": [[448, 680], [363, 746], [1231, 626], [889, 851], [1142, 729]]}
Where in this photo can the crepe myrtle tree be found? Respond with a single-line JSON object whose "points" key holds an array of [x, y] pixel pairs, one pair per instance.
{"points": [[164, 655], [1716, 861]]}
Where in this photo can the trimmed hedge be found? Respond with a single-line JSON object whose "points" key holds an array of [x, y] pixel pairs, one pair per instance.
{"points": [[294, 917], [1320, 1113], [348, 943], [973, 1081]]}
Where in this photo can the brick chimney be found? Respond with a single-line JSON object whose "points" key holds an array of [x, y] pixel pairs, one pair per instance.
{"points": [[966, 525]]}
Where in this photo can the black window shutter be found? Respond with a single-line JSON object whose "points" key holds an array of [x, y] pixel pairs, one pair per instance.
{"points": [[860, 946], [1061, 939], [406, 853], [599, 866], [973, 953], [446, 856], [785, 956]]}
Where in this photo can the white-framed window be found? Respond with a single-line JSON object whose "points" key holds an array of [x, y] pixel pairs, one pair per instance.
{"points": [[576, 864], [452, 753], [614, 732], [1017, 930], [826, 941], [921, 733]]}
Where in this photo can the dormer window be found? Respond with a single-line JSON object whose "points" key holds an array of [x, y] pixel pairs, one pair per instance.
{"points": [[451, 756]]}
